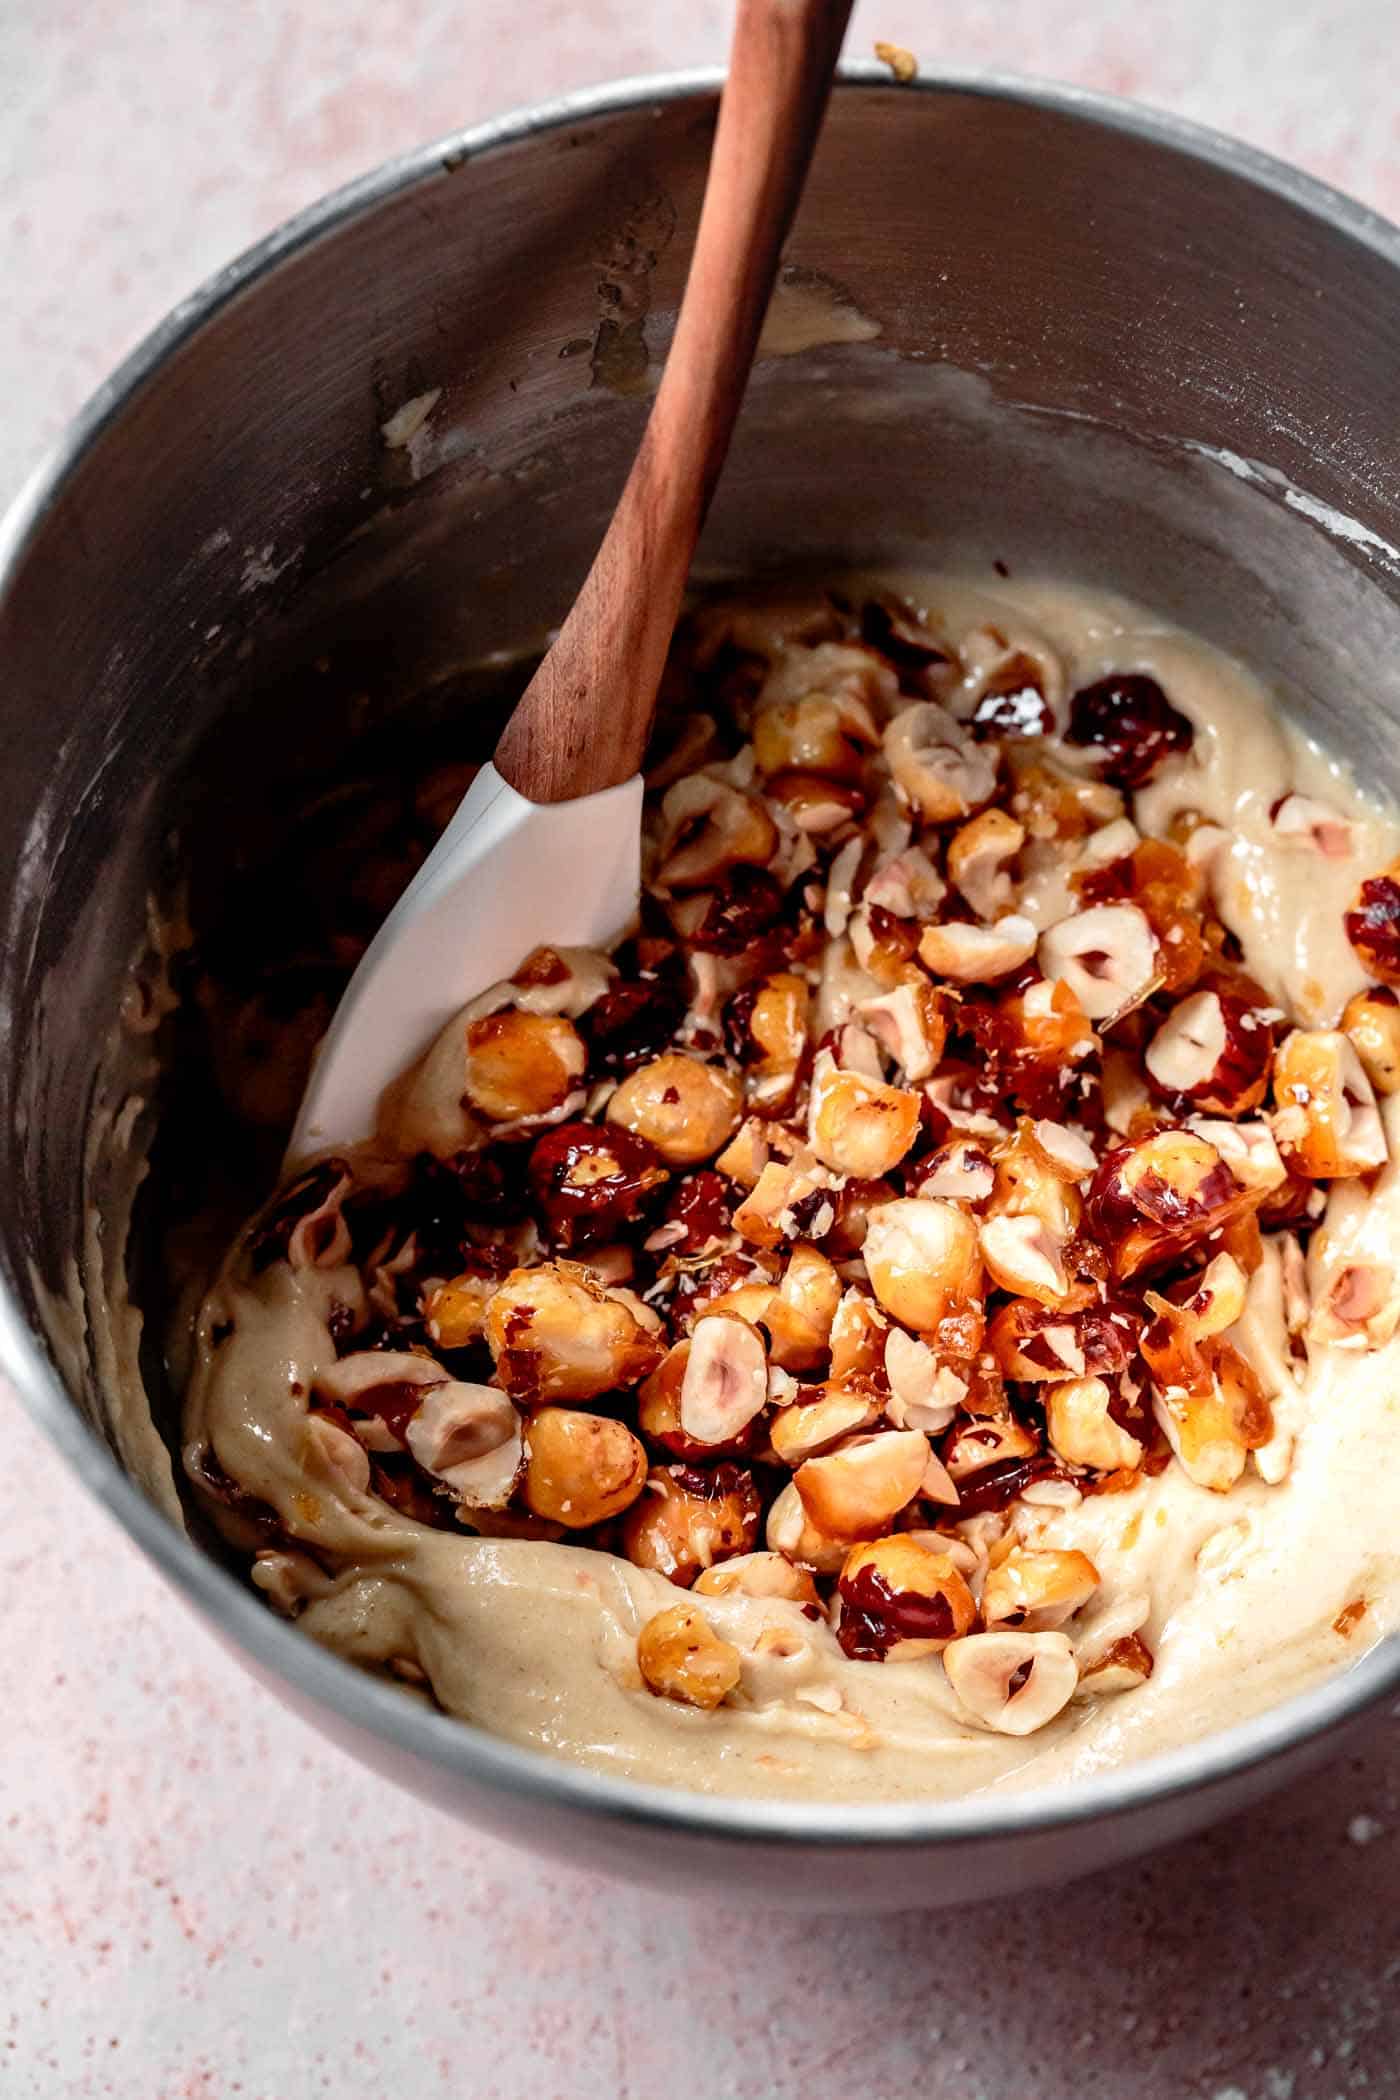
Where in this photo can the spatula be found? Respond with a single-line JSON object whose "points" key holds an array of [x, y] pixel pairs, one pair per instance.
{"points": [[545, 845]]}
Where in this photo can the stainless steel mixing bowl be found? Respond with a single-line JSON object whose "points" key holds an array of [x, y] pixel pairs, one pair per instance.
{"points": [[1039, 326]]}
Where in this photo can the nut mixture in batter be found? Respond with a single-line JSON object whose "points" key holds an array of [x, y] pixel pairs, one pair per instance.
{"points": [[916, 1254]]}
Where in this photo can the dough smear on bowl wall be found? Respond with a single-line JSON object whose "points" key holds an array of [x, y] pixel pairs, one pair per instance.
{"points": [[918, 1317]]}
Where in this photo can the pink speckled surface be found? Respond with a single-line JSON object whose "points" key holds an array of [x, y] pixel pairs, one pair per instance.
{"points": [[197, 1899]]}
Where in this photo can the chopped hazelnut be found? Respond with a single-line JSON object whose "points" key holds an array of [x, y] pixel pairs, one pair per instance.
{"points": [[909, 1024], [520, 1065], [970, 954], [1325, 1121], [800, 1315], [707, 828], [859, 1335], [687, 1109], [1121, 1668], [855, 1491], [938, 766], [1081, 1428], [857, 1125], [1038, 1588], [1213, 1050], [924, 1394], [791, 1532], [901, 1600], [580, 1469], [813, 732], [687, 1519], [725, 1381], [556, 1334], [681, 1657], [922, 1258], [758, 1575], [1371, 1024], [979, 861], [813, 1426], [1107, 955], [1012, 1682]]}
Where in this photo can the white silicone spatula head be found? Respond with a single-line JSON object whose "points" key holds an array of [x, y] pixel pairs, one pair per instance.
{"points": [[545, 846]]}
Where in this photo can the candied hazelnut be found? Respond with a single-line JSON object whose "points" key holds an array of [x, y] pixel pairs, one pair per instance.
{"points": [[924, 1394], [857, 1490], [388, 1384], [688, 1518], [959, 1171], [922, 1259], [729, 921], [1326, 1122], [659, 1413], [979, 861], [1373, 924], [696, 1218], [1012, 1682], [937, 764], [1151, 1202], [906, 885], [468, 1436], [707, 828], [1081, 1429], [987, 1441], [801, 1312], [1359, 1307], [788, 1201], [970, 954], [580, 1469], [811, 1427], [1038, 1588], [1123, 1666], [1371, 1024], [1066, 1152], [1213, 1051], [1129, 722], [1107, 956], [1034, 1343], [1213, 1430], [1055, 804], [686, 1109], [588, 1180], [910, 1024], [725, 1381], [791, 1532], [858, 1336], [857, 1125], [746, 1155], [556, 1334], [813, 733], [1022, 1254], [521, 1064], [815, 804], [901, 1600], [758, 1575], [681, 1657], [454, 1312], [767, 1027]]}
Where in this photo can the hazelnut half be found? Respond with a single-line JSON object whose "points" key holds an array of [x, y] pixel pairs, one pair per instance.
{"points": [[1012, 1682]]}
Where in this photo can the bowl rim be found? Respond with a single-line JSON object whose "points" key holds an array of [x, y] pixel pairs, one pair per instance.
{"points": [[460, 1748]]}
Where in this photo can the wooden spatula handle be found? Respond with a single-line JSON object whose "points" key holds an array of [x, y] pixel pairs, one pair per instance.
{"points": [[584, 720]]}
